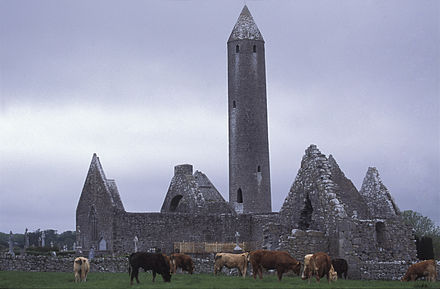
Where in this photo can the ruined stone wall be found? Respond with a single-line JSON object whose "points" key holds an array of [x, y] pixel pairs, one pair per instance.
{"points": [[301, 243], [161, 230], [60, 264]]}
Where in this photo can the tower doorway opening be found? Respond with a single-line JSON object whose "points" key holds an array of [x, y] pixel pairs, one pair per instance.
{"points": [[239, 196], [175, 202]]}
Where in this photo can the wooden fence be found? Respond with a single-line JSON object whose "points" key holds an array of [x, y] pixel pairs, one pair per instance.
{"points": [[198, 248]]}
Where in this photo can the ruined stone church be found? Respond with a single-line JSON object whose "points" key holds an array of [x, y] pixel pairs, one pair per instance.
{"points": [[323, 210]]}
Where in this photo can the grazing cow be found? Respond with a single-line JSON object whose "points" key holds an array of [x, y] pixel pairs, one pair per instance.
{"points": [[319, 264], [279, 260], [307, 270], [422, 269], [81, 268], [341, 267], [239, 261], [148, 261], [168, 260], [182, 261]]}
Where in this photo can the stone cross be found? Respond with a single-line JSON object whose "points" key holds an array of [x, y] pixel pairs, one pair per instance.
{"points": [[135, 240], [43, 237], [26, 239], [237, 247], [11, 244]]}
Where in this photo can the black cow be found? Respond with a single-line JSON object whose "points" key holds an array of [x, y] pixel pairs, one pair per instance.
{"points": [[340, 266], [148, 261]]}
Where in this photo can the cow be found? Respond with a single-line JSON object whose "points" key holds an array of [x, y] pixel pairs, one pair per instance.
{"points": [[341, 267], [81, 268], [279, 260], [319, 264], [307, 269], [422, 269], [168, 260], [155, 262], [183, 261], [239, 261]]}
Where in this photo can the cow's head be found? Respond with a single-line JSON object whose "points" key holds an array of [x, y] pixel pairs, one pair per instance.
{"points": [[166, 276], [78, 261], [306, 272], [296, 267]]}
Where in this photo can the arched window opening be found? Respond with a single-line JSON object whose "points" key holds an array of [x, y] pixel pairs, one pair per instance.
{"points": [[255, 48], [234, 104], [237, 49], [239, 196], [175, 202], [380, 234], [306, 214], [259, 169], [93, 224]]}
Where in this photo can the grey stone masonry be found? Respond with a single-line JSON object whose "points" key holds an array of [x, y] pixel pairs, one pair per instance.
{"points": [[249, 168], [349, 195], [376, 195], [94, 214], [313, 202], [193, 193]]}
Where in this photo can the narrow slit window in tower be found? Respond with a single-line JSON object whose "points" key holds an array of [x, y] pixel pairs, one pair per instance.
{"points": [[237, 49], [239, 196], [234, 104], [255, 49], [259, 169]]}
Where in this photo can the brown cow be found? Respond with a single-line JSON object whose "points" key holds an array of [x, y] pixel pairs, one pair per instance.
{"points": [[279, 260], [319, 264], [81, 268], [422, 269], [239, 261], [183, 261], [168, 260]]}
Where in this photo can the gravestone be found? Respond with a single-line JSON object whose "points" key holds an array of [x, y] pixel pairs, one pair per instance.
{"points": [[135, 240]]}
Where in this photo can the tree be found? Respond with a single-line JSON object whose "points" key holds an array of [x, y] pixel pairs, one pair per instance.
{"points": [[423, 227]]}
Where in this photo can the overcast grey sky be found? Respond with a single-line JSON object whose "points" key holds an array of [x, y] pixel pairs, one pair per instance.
{"points": [[144, 85]]}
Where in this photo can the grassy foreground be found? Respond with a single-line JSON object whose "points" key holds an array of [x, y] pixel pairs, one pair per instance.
{"points": [[121, 280]]}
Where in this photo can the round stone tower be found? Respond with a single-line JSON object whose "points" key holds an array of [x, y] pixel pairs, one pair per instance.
{"points": [[249, 171]]}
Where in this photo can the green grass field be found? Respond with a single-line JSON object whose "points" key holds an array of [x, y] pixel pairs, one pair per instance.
{"points": [[121, 280]]}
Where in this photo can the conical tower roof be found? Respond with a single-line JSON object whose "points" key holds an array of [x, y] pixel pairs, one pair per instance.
{"points": [[245, 28]]}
